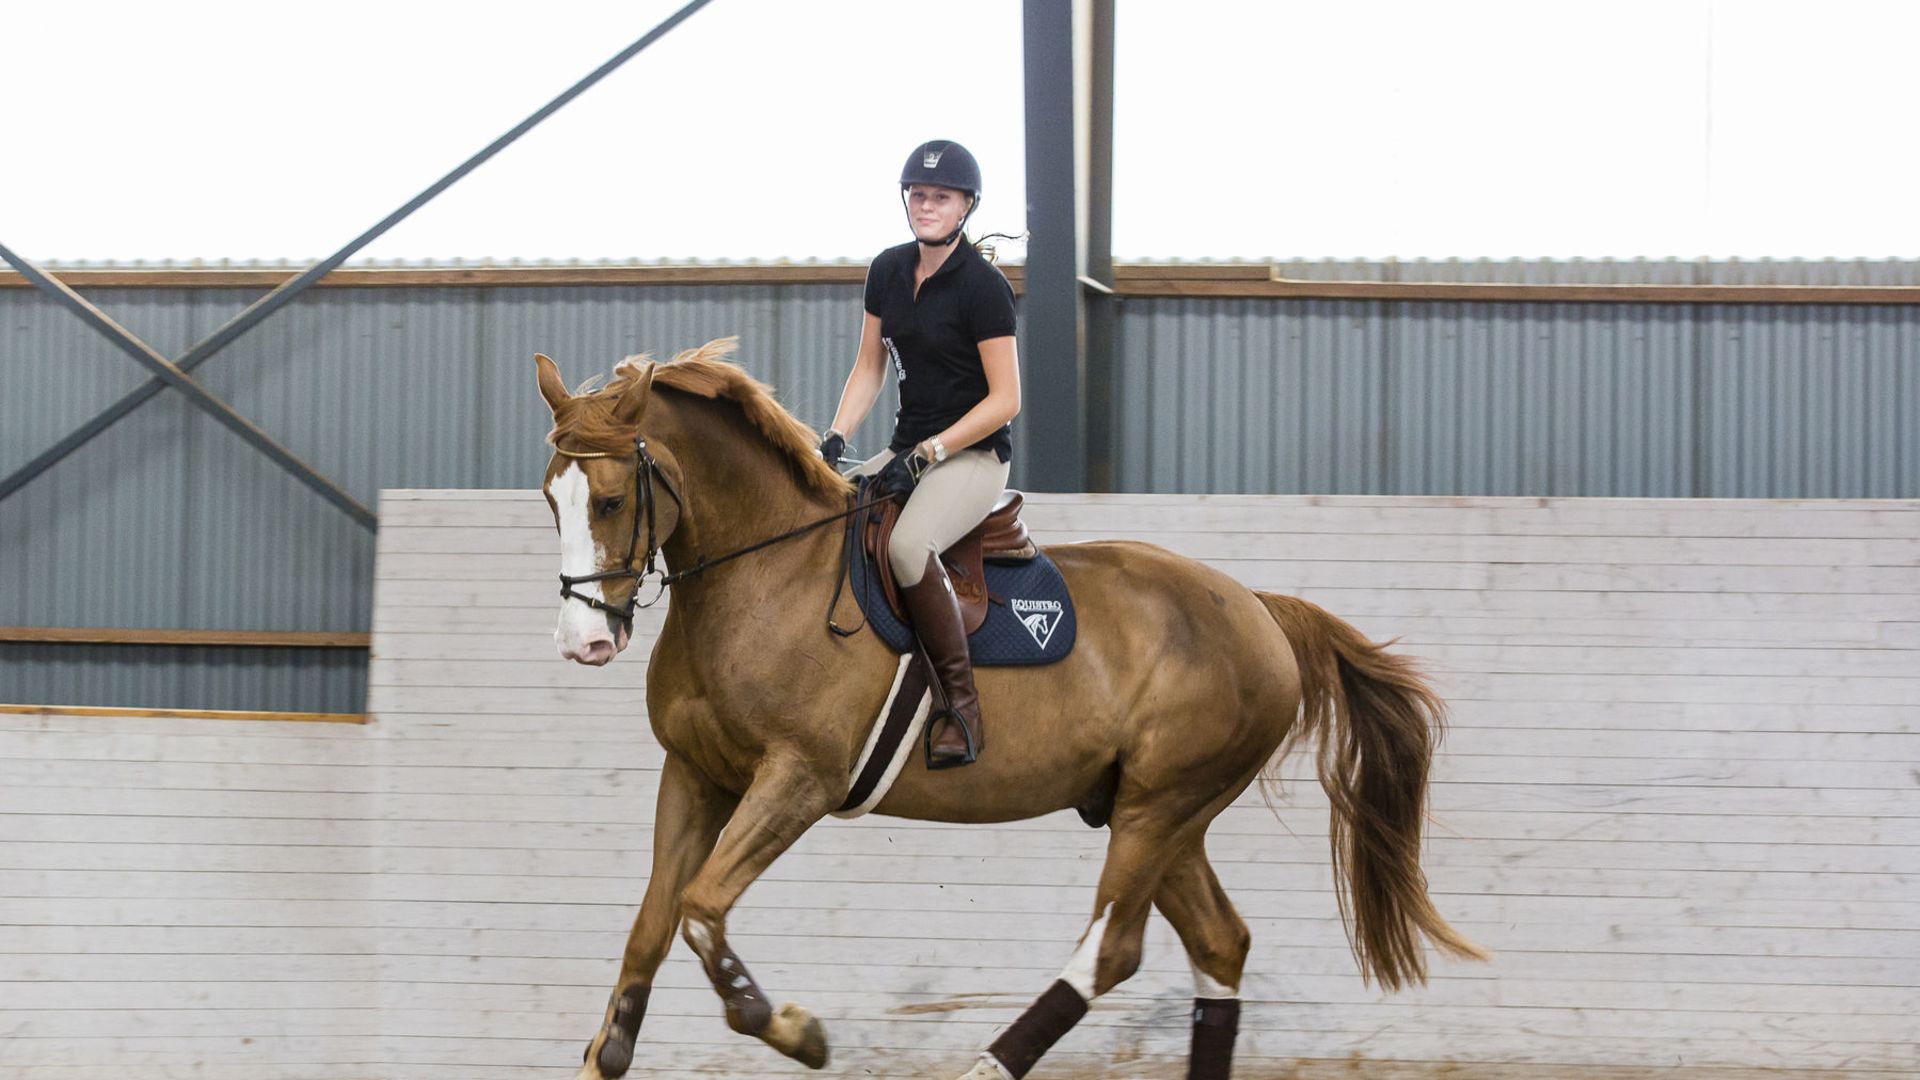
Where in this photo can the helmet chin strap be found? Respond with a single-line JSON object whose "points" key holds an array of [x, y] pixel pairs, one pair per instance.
{"points": [[952, 236]]}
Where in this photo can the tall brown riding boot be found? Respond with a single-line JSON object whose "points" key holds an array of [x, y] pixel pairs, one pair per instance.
{"points": [[954, 735]]}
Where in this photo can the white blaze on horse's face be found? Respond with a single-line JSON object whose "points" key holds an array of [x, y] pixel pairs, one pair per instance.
{"points": [[583, 634]]}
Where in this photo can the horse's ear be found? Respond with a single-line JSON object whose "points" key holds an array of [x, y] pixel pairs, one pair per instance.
{"points": [[633, 401], [551, 386]]}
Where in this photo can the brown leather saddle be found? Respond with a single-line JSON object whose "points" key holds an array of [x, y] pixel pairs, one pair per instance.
{"points": [[1001, 537]]}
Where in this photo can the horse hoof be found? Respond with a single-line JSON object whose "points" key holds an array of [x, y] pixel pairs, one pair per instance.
{"points": [[802, 1036], [987, 1068], [813, 1045]]}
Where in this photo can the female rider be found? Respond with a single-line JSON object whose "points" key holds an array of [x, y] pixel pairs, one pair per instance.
{"points": [[944, 316]]}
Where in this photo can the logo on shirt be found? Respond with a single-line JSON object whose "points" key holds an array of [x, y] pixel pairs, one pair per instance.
{"points": [[1040, 617], [931, 159], [899, 369]]}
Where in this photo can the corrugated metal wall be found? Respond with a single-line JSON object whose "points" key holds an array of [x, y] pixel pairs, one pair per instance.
{"points": [[1454, 398], [1521, 399], [168, 520]]}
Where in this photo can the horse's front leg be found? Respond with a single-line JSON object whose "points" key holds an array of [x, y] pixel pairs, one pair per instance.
{"points": [[687, 819], [785, 799]]}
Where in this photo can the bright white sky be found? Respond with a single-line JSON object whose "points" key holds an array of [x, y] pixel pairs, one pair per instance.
{"points": [[771, 128]]}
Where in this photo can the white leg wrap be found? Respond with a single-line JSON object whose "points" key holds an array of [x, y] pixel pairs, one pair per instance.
{"points": [[1086, 959]]}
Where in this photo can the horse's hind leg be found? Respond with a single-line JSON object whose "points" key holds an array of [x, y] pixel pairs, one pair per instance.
{"points": [[1217, 941], [784, 801], [1109, 952], [687, 818]]}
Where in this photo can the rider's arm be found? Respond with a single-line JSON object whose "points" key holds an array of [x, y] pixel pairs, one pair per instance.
{"points": [[863, 385], [1001, 360]]}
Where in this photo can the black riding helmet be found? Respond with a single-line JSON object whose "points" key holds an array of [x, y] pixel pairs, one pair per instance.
{"points": [[948, 164]]}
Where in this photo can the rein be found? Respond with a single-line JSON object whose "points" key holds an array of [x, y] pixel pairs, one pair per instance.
{"points": [[644, 472]]}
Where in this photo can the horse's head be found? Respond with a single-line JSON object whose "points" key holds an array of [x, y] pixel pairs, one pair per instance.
{"points": [[613, 502], [618, 494]]}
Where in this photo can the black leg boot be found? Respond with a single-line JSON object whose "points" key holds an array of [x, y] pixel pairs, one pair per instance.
{"points": [[954, 736], [1215, 1023]]}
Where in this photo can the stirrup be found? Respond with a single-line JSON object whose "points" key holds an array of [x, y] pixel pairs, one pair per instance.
{"points": [[966, 733]]}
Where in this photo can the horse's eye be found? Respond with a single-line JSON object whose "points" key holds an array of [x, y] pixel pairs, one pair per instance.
{"points": [[610, 507]]}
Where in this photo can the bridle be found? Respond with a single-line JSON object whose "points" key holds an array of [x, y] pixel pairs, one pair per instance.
{"points": [[645, 469]]}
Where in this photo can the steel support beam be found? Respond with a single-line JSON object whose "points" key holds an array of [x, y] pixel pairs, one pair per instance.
{"points": [[1055, 368], [168, 374], [1069, 110], [1102, 308], [280, 296]]}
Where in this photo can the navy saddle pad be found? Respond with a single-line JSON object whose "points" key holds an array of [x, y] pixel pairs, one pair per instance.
{"points": [[1029, 614]]}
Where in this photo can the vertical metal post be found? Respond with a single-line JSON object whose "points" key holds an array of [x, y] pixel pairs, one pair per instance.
{"points": [[1054, 396], [1102, 308]]}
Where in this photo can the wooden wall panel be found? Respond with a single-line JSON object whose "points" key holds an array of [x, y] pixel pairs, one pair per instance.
{"points": [[1678, 801], [169, 906]]}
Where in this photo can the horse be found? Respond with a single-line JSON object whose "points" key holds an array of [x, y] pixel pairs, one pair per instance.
{"points": [[1183, 688]]}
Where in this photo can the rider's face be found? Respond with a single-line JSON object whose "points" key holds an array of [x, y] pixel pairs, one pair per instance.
{"points": [[935, 211]]}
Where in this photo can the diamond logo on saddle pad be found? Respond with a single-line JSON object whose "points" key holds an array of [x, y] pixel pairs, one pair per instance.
{"points": [[1038, 616]]}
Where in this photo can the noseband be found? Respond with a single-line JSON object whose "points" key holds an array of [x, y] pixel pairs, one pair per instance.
{"points": [[645, 469]]}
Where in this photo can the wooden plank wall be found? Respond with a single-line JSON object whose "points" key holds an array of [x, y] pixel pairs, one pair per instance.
{"points": [[185, 897], [1678, 800]]}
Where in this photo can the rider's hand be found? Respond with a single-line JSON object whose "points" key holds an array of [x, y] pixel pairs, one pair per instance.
{"points": [[902, 474], [831, 447]]}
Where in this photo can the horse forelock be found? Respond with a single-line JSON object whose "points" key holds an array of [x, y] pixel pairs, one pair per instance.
{"points": [[586, 425], [586, 421]]}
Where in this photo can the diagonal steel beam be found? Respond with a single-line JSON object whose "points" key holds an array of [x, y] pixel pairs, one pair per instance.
{"points": [[286, 292], [169, 374]]}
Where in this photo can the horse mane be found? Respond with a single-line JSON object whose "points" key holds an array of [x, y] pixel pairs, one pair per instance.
{"points": [[701, 372]]}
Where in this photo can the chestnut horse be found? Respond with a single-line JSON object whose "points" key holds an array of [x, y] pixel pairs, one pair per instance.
{"points": [[1179, 693]]}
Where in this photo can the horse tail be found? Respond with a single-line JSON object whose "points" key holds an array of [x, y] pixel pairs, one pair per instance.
{"points": [[1378, 722]]}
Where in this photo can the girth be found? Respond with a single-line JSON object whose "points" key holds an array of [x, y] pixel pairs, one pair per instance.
{"points": [[1001, 537]]}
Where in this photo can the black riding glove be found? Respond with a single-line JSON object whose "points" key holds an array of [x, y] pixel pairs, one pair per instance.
{"points": [[831, 447], [901, 475]]}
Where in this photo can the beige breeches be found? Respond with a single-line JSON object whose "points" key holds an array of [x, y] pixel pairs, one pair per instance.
{"points": [[950, 500]]}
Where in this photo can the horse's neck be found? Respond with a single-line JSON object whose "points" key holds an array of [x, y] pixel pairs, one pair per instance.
{"points": [[739, 491]]}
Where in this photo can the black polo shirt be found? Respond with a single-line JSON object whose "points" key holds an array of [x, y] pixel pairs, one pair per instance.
{"points": [[934, 340]]}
